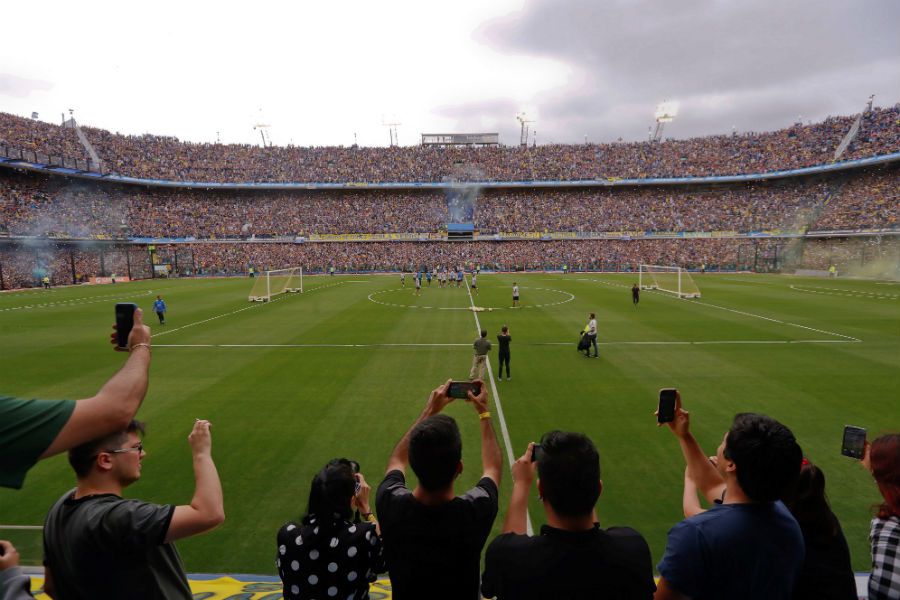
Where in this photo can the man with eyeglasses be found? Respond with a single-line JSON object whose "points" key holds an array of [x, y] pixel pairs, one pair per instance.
{"points": [[100, 545]]}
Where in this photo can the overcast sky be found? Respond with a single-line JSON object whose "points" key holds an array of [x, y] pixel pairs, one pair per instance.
{"points": [[318, 72]]}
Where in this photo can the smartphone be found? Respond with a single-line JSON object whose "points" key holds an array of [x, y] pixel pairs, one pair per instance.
{"points": [[537, 453], [124, 322], [460, 389], [854, 444], [666, 411]]}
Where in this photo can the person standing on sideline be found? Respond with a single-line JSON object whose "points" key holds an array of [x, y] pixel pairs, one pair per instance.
{"points": [[590, 330], [159, 307], [503, 339], [475, 283], [418, 281], [482, 346], [515, 295], [403, 279], [635, 294], [45, 281]]}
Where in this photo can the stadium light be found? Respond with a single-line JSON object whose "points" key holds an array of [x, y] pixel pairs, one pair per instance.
{"points": [[665, 113]]}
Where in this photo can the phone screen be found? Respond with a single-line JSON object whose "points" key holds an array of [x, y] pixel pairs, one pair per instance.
{"points": [[854, 444], [666, 412], [460, 389], [124, 322], [537, 453]]}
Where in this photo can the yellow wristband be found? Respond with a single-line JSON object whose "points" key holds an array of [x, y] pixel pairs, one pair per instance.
{"points": [[368, 517], [484, 415]]}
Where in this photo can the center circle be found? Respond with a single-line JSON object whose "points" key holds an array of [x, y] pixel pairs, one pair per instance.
{"points": [[452, 298]]}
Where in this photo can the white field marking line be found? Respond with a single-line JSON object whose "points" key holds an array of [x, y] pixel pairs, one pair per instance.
{"points": [[843, 292], [505, 431], [570, 295], [23, 527], [234, 312], [747, 314], [456, 345], [79, 301]]}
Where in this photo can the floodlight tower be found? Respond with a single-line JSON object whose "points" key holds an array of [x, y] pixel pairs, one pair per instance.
{"points": [[263, 129], [665, 113], [392, 124], [523, 120]]}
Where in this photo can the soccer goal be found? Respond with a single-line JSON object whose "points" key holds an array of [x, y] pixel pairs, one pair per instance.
{"points": [[674, 280], [272, 283]]}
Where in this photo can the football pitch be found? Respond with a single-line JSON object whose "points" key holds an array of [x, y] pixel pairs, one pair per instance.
{"points": [[343, 369]]}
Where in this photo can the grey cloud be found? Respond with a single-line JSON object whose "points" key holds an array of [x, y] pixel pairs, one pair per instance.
{"points": [[770, 59], [20, 87]]}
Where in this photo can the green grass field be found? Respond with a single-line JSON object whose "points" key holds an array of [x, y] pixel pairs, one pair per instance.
{"points": [[344, 368]]}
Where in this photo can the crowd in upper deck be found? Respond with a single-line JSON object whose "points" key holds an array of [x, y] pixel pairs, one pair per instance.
{"points": [[159, 157]]}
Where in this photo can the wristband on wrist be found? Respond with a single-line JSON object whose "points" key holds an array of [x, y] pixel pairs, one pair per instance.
{"points": [[145, 345], [485, 415], [368, 517]]}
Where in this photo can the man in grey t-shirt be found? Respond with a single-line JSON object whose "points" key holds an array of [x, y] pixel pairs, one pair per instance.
{"points": [[482, 346], [98, 544]]}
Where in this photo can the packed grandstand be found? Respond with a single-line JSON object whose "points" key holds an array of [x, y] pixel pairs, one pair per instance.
{"points": [[781, 200]]}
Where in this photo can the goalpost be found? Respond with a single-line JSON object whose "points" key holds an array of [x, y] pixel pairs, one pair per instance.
{"points": [[279, 281], [674, 280]]}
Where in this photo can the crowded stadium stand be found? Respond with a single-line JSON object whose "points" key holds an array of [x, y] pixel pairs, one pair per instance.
{"points": [[156, 206]]}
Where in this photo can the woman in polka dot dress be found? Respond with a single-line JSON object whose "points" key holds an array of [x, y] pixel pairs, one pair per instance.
{"points": [[328, 555]]}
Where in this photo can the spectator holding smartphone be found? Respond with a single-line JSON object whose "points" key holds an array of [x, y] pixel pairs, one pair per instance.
{"points": [[327, 555], [432, 537], [31, 430], [748, 545], [573, 557], [882, 459]]}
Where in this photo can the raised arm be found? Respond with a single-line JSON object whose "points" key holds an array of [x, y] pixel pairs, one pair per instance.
{"points": [[523, 473], [704, 474], [207, 509], [437, 400], [491, 458], [113, 407]]}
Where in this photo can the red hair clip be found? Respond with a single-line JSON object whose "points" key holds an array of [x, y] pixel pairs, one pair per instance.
{"points": [[804, 462]]}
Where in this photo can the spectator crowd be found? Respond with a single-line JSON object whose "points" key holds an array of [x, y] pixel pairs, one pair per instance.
{"points": [[159, 157], [32, 205], [767, 531]]}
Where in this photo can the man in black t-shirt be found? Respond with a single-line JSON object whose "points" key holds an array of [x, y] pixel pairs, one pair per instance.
{"points": [[503, 340], [432, 537], [572, 558]]}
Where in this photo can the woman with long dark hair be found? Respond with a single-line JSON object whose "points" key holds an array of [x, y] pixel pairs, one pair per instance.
{"points": [[827, 573], [331, 554], [882, 459]]}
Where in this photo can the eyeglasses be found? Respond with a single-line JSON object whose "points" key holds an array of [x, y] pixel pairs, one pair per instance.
{"points": [[139, 448]]}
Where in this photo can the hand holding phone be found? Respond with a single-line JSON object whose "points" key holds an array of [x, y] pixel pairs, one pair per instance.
{"points": [[124, 322], [854, 443], [665, 413], [459, 390]]}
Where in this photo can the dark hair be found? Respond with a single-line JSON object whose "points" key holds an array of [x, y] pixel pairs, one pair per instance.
{"points": [[82, 457], [484, 333], [808, 503], [766, 454], [435, 449], [504, 329], [569, 468], [331, 491], [884, 456]]}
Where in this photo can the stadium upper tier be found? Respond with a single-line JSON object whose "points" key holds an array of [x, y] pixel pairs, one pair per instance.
{"points": [[167, 158], [52, 206]]}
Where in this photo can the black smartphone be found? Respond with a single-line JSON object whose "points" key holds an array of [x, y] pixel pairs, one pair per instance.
{"points": [[537, 453], [461, 389], [124, 322], [666, 411], [854, 444]]}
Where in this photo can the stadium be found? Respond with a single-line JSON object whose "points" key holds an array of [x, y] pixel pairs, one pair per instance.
{"points": [[307, 314]]}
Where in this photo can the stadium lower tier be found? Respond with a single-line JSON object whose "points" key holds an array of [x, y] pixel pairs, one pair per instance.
{"points": [[26, 264]]}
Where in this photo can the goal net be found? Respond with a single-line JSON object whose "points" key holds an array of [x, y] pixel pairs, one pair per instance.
{"points": [[674, 280], [271, 283]]}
